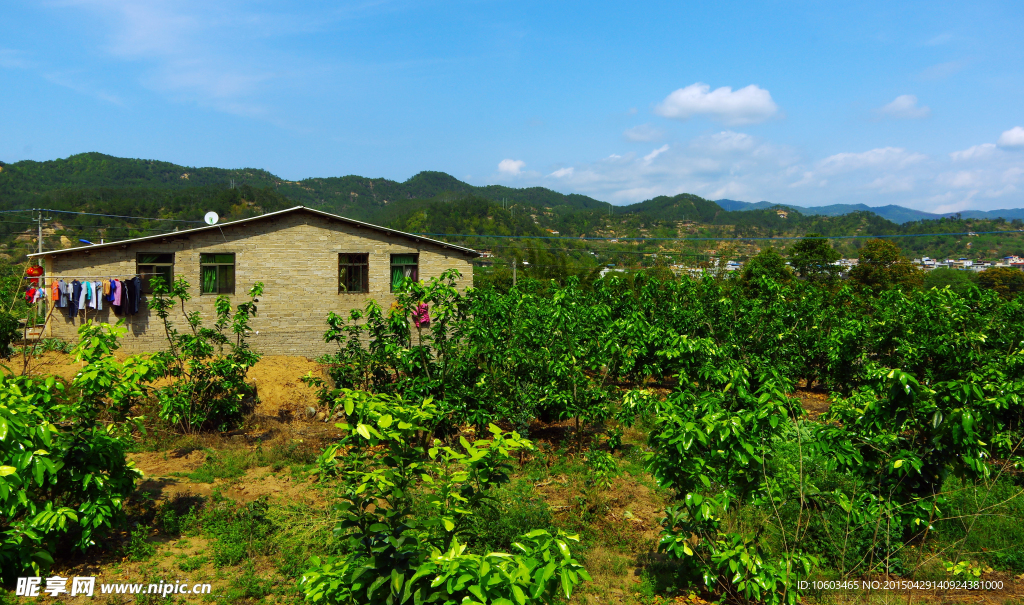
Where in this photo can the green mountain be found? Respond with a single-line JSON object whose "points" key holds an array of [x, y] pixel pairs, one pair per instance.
{"points": [[896, 214], [174, 196], [355, 196]]}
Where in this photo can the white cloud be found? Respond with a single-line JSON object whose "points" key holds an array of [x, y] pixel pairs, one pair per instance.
{"points": [[511, 167], [891, 157], [644, 133], [941, 71], [905, 107], [748, 105], [75, 82], [1012, 138], [740, 166], [973, 153], [961, 179], [216, 55], [892, 183], [14, 59], [660, 150], [724, 142], [939, 39]]}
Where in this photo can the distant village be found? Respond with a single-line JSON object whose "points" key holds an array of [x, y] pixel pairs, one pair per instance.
{"points": [[845, 264], [925, 263]]}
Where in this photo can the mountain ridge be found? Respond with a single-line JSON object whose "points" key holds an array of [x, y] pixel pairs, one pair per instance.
{"points": [[892, 212]]}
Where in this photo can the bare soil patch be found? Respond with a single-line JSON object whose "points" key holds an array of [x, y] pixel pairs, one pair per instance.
{"points": [[278, 379], [815, 401]]}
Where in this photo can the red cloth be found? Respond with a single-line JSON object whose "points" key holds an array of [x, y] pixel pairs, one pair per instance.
{"points": [[30, 294]]}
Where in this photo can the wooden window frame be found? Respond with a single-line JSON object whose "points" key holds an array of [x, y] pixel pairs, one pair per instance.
{"points": [[214, 263], [345, 261], [392, 267], [145, 277]]}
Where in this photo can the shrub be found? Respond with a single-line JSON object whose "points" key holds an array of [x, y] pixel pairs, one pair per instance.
{"points": [[393, 554], [9, 333], [63, 469], [208, 368]]}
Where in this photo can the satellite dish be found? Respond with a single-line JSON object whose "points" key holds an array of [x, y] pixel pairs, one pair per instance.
{"points": [[211, 218]]}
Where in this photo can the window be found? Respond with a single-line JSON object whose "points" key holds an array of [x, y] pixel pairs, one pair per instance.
{"points": [[353, 273], [217, 273], [403, 266], [150, 264]]}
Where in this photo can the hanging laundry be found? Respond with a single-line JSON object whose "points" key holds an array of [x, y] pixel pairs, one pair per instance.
{"points": [[115, 292], [126, 297], [55, 291], [138, 294], [38, 295], [62, 290], [98, 295], [133, 292], [77, 298], [30, 294], [106, 289]]}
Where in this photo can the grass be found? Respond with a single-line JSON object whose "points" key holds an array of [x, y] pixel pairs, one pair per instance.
{"points": [[256, 551], [986, 522], [233, 462]]}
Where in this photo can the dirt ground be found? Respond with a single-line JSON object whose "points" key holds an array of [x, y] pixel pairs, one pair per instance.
{"points": [[815, 402], [277, 378]]}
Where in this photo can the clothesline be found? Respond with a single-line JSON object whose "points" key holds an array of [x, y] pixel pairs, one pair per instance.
{"points": [[91, 276]]}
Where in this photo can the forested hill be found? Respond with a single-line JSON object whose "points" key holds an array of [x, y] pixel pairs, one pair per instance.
{"points": [[359, 197], [429, 202]]}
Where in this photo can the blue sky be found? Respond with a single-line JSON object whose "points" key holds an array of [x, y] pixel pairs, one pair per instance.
{"points": [[911, 103]]}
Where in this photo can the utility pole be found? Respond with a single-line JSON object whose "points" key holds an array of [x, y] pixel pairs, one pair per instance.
{"points": [[42, 280], [515, 263]]}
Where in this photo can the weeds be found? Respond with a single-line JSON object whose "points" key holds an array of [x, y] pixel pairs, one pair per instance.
{"points": [[139, 547], [231, 463]]}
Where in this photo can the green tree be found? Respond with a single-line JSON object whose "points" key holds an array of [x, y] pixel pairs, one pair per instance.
{"points": [[767, 263], [1006, 282], [812, 258], [958, 281], [882, 266]]}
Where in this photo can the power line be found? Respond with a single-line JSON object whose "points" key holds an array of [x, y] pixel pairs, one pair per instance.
{"points": [[138, 218], [91, 227]]}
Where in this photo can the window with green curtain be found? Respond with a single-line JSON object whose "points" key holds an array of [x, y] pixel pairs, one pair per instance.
{"points": [[217, 273], [403, 266]]}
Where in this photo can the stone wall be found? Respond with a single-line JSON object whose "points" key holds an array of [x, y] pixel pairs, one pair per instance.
{"points": [[295, 255]]}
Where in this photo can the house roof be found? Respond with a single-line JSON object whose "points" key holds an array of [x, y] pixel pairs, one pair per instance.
{"points": [[328, 215]]}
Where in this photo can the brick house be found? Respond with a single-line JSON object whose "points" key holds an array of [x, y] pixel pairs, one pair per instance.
{"points": [[310, 263]]}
